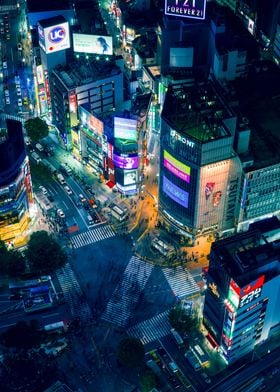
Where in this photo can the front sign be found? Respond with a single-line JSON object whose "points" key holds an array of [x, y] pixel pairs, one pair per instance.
{"points": [[194, 9], [55, 38]]}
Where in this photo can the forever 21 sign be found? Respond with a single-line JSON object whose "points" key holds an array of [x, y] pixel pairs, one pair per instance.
{"points": [[194, 9]]}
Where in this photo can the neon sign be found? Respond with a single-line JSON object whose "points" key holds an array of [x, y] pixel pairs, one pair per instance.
{"points": [[175, 193], [194, 9], [175, 135], [179, 169]]}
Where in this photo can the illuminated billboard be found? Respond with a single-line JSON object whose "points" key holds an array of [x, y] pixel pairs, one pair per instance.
{"points": [[194, 9], [247, 294], [175, 193], [40, 74], [126, 161], [95, 44], [55, 38], [125, 128], [90, 121], [176, 167], [130, 177]]}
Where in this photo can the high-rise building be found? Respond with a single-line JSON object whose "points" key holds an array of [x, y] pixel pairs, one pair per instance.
{"points": [[243, 290], [99, 83], [199, 177], [15, 185]]}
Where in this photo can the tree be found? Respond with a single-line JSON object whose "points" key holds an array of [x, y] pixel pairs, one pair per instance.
{"points": [[27, 371], [36, 128], [44, 254], [130, 352], [147, 381], [4, 257], [182, 322], [16, 264], [22, 335]]}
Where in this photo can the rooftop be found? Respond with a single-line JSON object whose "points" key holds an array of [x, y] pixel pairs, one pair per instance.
{"points": [[245, 255], [196, 111], [79, 72], [259, 99], [50, 5], [52, 21]]}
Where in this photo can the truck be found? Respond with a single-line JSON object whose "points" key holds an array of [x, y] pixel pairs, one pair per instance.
{"points": [[61, 179], [36, 157], [39, 147]]}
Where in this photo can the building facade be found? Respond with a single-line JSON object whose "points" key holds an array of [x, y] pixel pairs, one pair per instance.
{"points": [[199, 181], [15, 185], [240, 308]]}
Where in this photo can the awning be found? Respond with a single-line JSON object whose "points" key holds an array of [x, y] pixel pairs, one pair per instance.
{"points": [[110, 184]]}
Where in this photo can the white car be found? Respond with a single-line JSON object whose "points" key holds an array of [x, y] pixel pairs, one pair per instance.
{"points": [[18, 91], [60, 213], [82, 198], [17, 80], [7, 99], [43, 189], [19, 102], [68, 190], [7, 93], [5, 64]]}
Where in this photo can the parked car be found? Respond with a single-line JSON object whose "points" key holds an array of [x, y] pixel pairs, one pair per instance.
{"points": [[82, 198], [43, 189]]}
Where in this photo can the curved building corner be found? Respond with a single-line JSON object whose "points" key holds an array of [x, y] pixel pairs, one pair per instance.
{"points": [[15, 185]]}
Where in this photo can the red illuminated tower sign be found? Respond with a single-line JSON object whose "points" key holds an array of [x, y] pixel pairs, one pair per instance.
{"points": [[194, 9]]}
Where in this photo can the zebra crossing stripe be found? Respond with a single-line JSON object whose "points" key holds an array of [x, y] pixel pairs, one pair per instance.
{"points": [[94, 235], [181, 282], [120, 306], [152, 329]]}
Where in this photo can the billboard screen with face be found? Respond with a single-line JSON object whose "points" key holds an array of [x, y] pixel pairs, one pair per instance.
{"points": [[95, 44], [130, 177], [175, 193], [55, 38], [194, 9], [125, 128], [126, 162]]}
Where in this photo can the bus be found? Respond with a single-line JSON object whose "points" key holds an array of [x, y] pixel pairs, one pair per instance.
{"points": [[59, 326], [119, 213], [200, 354]]}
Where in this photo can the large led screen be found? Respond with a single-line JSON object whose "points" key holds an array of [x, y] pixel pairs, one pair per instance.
{"points": [[130, 177], [126, 162], [177, 168], [194, 9], [125, 128], [95, 44], [175, 193], [55, 38]]}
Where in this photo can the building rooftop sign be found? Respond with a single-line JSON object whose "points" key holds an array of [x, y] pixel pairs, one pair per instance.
{"points": [[194, 9]]}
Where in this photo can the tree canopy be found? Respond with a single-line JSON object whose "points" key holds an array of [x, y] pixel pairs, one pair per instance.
{"points": [[130, 352], [36, 128], [182, 322], [12, 261], [27, 371], [22, 335], [44, 253]]}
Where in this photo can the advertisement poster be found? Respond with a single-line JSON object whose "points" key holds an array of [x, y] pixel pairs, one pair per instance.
{"points": [[126, 162], [175, 193], [94, 44], [55, 38]]}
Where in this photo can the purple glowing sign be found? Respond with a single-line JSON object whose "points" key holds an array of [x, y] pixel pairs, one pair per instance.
{"points": [[175, 193], [128, 162], [176, 171], [194, 9]]}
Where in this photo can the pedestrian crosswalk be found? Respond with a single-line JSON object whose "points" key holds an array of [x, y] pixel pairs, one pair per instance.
{"points": [[181, 282], [152, 329], [73, 294], [126, 296], [89, 237]]}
